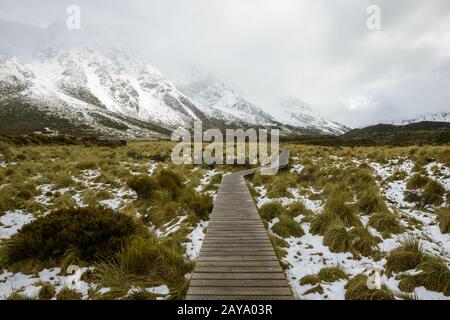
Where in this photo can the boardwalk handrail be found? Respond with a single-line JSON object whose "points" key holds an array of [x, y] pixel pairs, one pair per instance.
{"points": [[237, 259]]}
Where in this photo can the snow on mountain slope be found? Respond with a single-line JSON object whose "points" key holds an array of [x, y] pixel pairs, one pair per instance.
{"points": [[437, 117], [224, 103], [297, 113], [117, 83]]}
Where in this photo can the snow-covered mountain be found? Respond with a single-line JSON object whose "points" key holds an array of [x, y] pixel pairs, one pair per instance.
{"points": [[73, 82], [436, 117], [297, 113], [224, 103]]}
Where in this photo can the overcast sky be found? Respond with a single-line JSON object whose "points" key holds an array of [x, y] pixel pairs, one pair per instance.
{"points": [[318, 50]]}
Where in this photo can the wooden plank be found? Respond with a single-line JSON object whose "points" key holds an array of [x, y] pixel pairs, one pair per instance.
{"points": [[238, 283], [238, 291], [237, 276]]}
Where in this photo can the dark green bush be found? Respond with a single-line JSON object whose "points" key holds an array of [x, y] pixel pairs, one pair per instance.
{"points": [[89, 232]]}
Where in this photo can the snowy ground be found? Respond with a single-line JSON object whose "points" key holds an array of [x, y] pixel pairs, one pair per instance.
{"points": [[306, 255]]}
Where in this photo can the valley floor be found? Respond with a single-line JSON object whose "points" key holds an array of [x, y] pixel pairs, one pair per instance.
{"points": [[336, 216]]}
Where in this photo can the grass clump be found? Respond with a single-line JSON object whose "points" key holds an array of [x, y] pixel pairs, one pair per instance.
{"points": [[433, 193], [357, 290], [271, 210], [68, 294], [167, 180], [332, 274], [311, 279], [370, 201], [298, 208], [46, 292], [356, 240], [88, 232], [287, 227], [405, 257], [337, 206], [443, 218], [417, 181], [385, 223], [146, 261], [434, 275], [321, 222], [338, 239]]}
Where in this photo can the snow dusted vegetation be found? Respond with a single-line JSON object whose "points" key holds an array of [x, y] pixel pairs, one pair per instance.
{"points": [[340, 214], [336, 216], [154, 214]]}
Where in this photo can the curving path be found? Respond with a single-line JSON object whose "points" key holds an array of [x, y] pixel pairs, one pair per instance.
{"points": [[237, 260]]}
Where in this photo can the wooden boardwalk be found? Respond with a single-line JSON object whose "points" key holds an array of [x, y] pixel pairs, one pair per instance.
{"points": [[237, 260]]}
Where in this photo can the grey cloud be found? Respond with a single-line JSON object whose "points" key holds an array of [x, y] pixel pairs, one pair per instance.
{"points": [[318, 50]]}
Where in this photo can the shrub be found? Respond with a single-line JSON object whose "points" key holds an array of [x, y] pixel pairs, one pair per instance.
{"points": [[417, 181], [68, 294], [433, 193], [332, 274], [443, 217], [91, 232], [357, 290], [407, 256], [287, 227], [46, 292], [271, 210], [386, 223]]}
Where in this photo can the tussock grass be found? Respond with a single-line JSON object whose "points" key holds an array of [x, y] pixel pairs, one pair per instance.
{"points": [[370, 201], [386, 223], [435, 275], [145, 261], [321, 222], [287, 227], [443, 218], [356, 240], [68, 294], [311, 279], [357, 290], [342, 211], [338, 239], [332, 274], [46, 292], [271, 210], [405, 257], [298, 208], [417, 181], [433, 193]]}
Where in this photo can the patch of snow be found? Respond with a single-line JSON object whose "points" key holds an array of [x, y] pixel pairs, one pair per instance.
{"points": [[13, 221]]}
